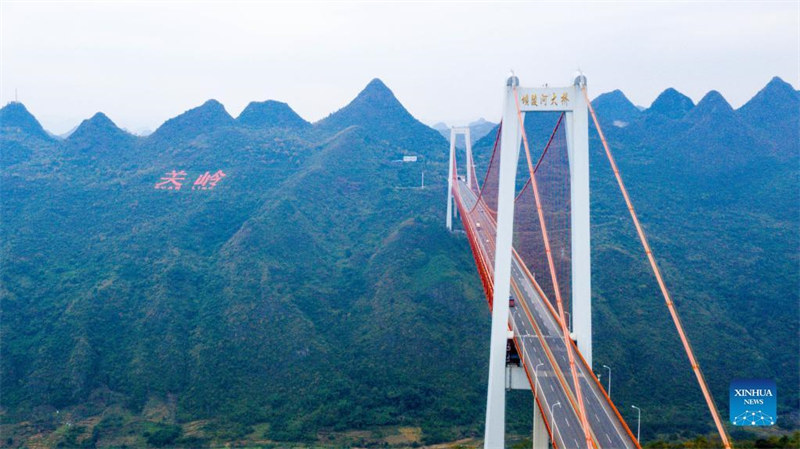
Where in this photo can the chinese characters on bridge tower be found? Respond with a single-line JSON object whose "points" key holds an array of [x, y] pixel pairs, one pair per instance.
{"points": [[551, 99], [174, 180]]}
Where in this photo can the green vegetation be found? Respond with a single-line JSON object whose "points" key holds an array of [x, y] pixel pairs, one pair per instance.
{"points": [[160, 435], [703, 442]]}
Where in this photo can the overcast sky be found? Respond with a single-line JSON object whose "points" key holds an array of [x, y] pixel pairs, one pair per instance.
{"points": [[144, 62]]}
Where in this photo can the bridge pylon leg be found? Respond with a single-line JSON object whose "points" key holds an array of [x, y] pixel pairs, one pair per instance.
{"points": [[450, 174], [510, 138], [456, 131], [540, 439], [470, 162], [578, 152]]}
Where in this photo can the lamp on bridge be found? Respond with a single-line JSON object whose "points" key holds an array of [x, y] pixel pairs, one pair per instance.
{"points": [[609, 379]]}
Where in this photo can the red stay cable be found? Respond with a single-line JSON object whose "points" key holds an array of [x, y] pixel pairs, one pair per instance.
{"points": [[554, 279], [667, 298], [489, 169]]}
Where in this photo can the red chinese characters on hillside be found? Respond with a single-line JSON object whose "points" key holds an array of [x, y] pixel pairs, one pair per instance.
{"points": [[207, 181], [174, 180]]}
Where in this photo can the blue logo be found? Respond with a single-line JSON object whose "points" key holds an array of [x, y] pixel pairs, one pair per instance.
{"points": [[753, 402]]}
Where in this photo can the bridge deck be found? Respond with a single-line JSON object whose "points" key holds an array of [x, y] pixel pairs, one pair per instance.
{"points": [[540, 343]]}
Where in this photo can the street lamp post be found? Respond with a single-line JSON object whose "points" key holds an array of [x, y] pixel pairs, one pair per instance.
{"points": [[553, 417], [536, 422], [638, 421], [536, 379], [609, 379]]}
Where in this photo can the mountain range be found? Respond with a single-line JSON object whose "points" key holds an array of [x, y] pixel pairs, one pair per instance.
{"points": [[477, 129], [266, 278]]}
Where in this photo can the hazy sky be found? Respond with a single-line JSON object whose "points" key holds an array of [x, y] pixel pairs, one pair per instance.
{"points": [[144, 62]]}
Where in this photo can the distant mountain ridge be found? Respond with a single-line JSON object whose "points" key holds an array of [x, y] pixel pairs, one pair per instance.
{"points": [[99, 125], [477, 129], [377, 110], [16, 120], [375, 103], [776, 99], [712, 104], [773, 110], [615, 108], [271, 113], [671, 104], [208, 116], [378, 102]]}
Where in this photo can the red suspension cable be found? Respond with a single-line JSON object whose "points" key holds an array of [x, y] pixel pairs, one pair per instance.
{"points": [[667, 297], [489, 168], [541, 158], [554, 279]]}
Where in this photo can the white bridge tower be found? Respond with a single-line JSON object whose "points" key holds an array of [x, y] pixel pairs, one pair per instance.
{"points": [[455, 131], [570, 100]]}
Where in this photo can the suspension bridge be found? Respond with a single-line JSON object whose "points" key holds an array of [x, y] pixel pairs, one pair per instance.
{"points": [[530, 238]]}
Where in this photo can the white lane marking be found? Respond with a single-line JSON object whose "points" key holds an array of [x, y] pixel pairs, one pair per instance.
{"points": [[544, 396], [609, 439], [549, 322], [603, 405]]}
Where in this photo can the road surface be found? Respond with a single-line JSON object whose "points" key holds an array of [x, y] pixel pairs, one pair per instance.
{"points": [[540, 343]]}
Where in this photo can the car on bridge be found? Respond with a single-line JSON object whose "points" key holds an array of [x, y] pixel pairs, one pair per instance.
{"points": [[512, 356]]}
